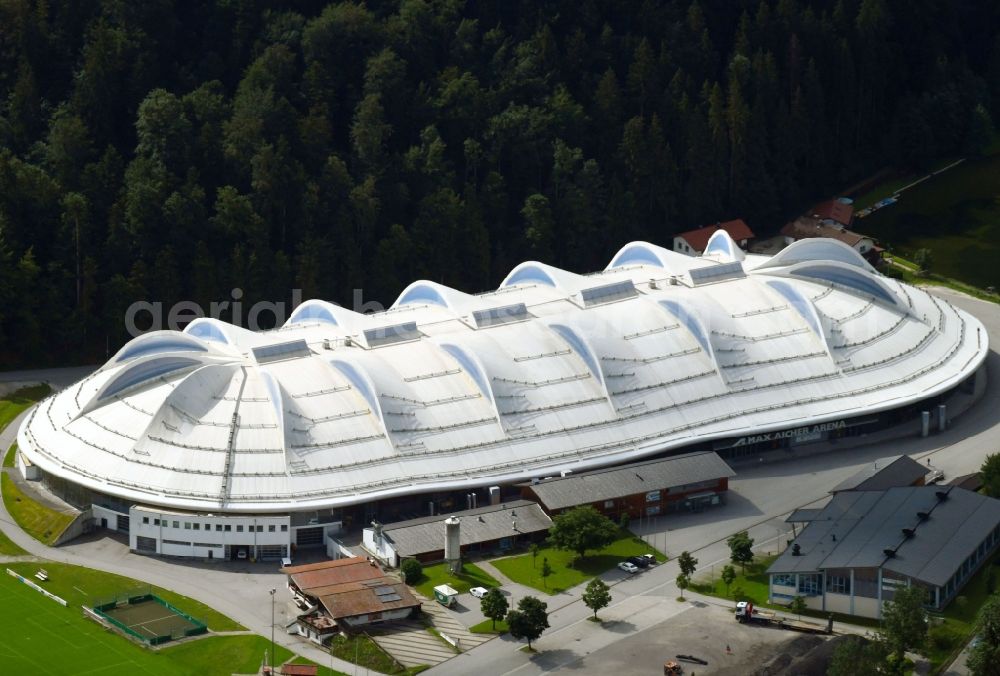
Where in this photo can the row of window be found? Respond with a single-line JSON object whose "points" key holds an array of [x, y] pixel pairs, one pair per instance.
{"points": [[219, 527], [809, 584], [651, 510]]}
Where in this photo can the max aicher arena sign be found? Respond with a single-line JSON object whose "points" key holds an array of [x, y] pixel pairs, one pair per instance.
{"points": [[808, 432]]}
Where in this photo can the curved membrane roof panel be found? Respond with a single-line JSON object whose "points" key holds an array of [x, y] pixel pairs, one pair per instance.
{"points": [[817, 249], [158, 342], [651, 255], [847, 276], [571, 385], [722, 247]]}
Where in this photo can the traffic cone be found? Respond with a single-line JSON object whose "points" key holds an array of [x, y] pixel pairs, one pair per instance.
{"points": [[728, 651]]}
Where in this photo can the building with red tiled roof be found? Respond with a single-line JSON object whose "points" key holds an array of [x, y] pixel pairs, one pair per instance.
{"points": [[834, 212], [807, 227], [693, 242], [346, 592]]}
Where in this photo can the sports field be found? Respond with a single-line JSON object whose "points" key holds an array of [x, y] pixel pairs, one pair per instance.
{"points": [[41, 637], [151, 620]]}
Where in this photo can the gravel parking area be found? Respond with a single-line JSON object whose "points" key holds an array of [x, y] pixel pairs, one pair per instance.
{"points": [[704, 632]]}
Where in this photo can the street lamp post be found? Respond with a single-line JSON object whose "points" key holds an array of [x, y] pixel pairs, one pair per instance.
{"points": [[272, 629]]}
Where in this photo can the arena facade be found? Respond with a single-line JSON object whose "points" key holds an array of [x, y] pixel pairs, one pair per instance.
{"points": [[339, 416]]}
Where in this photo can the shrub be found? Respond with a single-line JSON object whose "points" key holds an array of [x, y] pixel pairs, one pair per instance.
{"points": [[413, 571]]}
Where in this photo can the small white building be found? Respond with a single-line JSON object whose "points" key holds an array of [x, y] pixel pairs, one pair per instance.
{"points": [[209, 536]]}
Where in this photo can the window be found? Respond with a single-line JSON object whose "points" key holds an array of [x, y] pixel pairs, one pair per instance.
{"points": [[652, 510], [653, 496], [218, 527], [239, 528], [177, 524], [609, 504], [838, 584], [156, 522], [187, 525], [197, 526], [145, 519], [260, 528], [810, 585], [228, 528], [208, 526], [284, 528], [783, 579], [271, 528]]}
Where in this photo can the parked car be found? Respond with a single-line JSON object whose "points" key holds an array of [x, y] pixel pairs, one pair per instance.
{"points": [[629, 567], [241, 554], [478, 592], [650, 558], [639, 561]]}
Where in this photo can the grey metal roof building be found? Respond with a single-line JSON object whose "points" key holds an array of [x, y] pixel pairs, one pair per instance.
{"points": [[689, 469], [890, 472], [424, 538], [864, 544]]}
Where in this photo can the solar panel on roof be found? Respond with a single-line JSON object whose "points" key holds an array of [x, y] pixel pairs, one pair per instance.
{"points": [[387, 335], [500, 315], [390, 597], [384, 591], [293, 348], [716, 273], [606, 293]]}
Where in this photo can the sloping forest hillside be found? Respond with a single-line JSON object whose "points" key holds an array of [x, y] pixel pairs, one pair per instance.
{"points": [[169, 150]]}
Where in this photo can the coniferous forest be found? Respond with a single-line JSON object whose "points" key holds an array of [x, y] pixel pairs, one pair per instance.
{"points": [[168, 150]]}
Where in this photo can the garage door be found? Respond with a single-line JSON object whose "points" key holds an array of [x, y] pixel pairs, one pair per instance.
{"points": [[309, 537], [272, 552], [144, 544]]}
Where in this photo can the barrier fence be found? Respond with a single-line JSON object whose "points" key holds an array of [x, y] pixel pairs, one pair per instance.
{"points": [[34, 586]]}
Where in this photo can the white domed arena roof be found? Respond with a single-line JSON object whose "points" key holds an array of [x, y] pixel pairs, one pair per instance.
{"points": [[552, 371]]}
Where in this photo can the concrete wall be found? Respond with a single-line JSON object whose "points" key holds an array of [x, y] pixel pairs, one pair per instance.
{"points": [[27, 470], [104, 513], [79, 526], [838, 603], [381, 549], [866, 607]]}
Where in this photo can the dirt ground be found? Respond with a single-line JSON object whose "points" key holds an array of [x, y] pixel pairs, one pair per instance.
{"points": [[704, 632]]}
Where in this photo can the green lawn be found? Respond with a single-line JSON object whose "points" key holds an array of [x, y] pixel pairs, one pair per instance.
{"points": [[568, 572], [12, 404], [42, 637], [8, 460], [471, 576], [223, 655], [35, 519], [754, 586], [959, 618], [753, 583], [956, 215], [486, 627], [361, 650], [80, 586]]}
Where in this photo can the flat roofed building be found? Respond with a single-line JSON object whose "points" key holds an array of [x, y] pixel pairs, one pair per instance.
{"points": [[854, 553], [352, 592], [493, 528], [890, 472], [688, 481]]}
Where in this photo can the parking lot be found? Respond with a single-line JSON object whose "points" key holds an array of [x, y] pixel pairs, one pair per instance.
{"points": [[702, 631]]}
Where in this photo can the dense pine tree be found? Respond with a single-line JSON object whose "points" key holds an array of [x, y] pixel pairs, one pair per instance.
{"points": [[170, 150]]}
